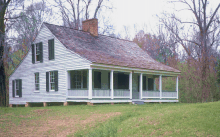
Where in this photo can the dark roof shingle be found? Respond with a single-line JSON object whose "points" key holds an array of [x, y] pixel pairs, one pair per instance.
{"points": [[106, 50]]}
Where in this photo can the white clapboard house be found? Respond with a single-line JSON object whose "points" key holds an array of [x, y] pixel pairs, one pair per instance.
{"points": [[68, 65]]}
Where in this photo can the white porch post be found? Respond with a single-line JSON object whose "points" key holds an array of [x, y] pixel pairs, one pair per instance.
{"points": [[177, 87], [130, 84], [141, 85], [112, 84], [90, 83], [160, 86]]}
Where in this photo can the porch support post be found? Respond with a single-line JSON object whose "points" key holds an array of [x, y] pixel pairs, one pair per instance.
{"points": [[130, 84], [90, 83], [141, 85], [112, 84], [160, 86], [177, 87]]}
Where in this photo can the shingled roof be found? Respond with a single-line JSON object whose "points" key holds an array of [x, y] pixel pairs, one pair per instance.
{"points": [[103, 49]]}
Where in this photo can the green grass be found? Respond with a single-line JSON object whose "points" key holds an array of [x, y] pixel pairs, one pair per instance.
{"points": [[168, 119]]}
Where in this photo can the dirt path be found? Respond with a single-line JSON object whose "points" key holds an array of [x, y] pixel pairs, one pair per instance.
{"points": [[53, 125]]}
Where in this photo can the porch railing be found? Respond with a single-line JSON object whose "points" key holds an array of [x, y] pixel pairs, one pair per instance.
{"points": [[97, 93], [121, 93], [156, 94], [78, 93]]}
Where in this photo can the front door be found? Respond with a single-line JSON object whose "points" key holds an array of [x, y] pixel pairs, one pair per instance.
{"points": [[135, 86]]}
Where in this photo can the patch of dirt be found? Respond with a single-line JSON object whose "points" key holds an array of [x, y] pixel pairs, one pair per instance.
{"points": [[167, 133], [54, 126], [41, 111]]}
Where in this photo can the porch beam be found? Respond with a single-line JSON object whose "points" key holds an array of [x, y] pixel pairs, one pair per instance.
{"points": [[90, 83], [160, 86], [177, 87], [130, 84], [112, 84], [141, 85]]}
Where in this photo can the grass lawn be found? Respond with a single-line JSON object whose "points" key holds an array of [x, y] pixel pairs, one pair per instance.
{"points": [[168, 119]]}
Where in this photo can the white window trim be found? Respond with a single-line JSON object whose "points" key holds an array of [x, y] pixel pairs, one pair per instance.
{"points": [[51, 82], [35, 46], [16, 88], [35, 82]]}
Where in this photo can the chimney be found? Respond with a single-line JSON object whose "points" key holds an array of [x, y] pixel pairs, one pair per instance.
{"points": [[91, 26]]}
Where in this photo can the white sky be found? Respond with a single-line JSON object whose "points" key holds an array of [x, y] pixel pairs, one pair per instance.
{"points": [[142, 13]]}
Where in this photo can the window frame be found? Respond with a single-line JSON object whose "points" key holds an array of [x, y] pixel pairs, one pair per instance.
{"points": [[51, 82], [37, 81], [37, 52], [16, 86]]}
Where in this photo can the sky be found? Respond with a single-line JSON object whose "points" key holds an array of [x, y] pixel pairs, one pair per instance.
{"points": [[138, 15], [144, 13]]}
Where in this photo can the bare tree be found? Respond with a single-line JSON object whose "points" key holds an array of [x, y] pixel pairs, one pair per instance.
{"points": [[199, 36], [74, 11]]}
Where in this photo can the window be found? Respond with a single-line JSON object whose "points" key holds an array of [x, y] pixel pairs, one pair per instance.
{"points": [[97, 79], [51, 49], [121, 81], [37, 52], [17, 88], [150, 84], [78, 79], [37, 83], [52, 81]]}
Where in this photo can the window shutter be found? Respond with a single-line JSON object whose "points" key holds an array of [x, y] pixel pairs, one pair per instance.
{"points": [[56, 80], [20, 88], [47, 81], [13, 88], [84, 79], [33, 54], [41, 51], [51, 49]]}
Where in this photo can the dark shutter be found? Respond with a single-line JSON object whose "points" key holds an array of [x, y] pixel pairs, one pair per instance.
{"points": [[33, 54], [20, 87], [51, 49], [41, 51], [97, 79], [56, 80], [84, 79], [47, 81], [109, 80], [13, 88], [150, 84], [144, 83]]}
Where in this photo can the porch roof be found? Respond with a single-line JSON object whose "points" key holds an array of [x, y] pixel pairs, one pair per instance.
{"points": [[106, 50]]}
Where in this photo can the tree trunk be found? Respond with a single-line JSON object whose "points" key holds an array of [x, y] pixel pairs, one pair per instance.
{"points": [[2, 68]]}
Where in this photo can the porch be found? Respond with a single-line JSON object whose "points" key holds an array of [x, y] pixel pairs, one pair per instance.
{"points": [[100, 86]]}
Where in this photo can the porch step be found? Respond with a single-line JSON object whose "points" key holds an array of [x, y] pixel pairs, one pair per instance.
{"points": [[138, 102]]}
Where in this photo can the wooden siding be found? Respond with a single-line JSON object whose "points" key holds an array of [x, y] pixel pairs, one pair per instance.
{"points": [[64, 60]]}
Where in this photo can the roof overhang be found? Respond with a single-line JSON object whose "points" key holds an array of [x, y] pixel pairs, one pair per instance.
{"points": [[134, 70]]}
